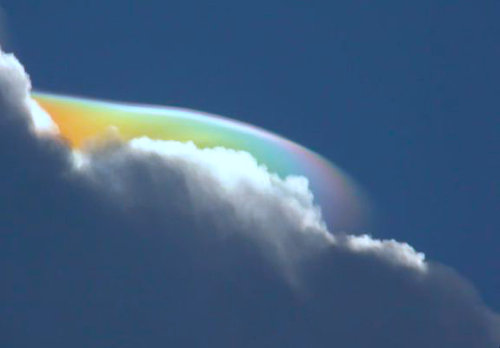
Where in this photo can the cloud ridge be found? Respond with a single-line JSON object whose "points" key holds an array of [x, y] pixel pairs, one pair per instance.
{"points": [[205, 245]]}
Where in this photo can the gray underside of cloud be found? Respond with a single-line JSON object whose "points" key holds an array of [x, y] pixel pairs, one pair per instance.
{"points": [[154, 244]]}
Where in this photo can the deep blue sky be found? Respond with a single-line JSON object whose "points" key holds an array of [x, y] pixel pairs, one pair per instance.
{"points": [[403, 95]]}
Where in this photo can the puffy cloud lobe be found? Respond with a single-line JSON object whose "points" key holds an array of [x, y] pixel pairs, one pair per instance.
{"points": [[154, 243]]}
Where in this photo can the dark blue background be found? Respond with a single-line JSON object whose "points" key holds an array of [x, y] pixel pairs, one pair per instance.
{"points": [[403, 95]]}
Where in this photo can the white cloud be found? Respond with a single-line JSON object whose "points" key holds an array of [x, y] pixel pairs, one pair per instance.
{"points": [[17, 100], [42, 122], [212, 239], [391, 250], [262, 204]]}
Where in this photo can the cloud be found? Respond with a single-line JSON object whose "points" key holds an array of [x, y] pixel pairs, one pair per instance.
{"points": [[157, 243]]}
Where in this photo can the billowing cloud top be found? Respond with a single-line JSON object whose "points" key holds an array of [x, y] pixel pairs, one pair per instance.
{"points": [[154, 243]]}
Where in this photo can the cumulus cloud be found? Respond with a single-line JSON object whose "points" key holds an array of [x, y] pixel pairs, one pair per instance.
{"points": [[159, 243]]}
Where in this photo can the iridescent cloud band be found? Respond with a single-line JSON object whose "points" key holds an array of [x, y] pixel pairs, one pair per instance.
{"points": [[80, 120]]}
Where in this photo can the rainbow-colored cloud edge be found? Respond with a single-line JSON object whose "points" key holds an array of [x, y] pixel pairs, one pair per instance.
{"points": [[80, 120]]}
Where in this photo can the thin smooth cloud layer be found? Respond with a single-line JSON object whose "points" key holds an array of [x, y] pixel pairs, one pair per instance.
{"points": [[155, 243]]}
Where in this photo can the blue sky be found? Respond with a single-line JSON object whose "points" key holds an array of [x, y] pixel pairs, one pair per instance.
{"points": [[402, 95]]}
